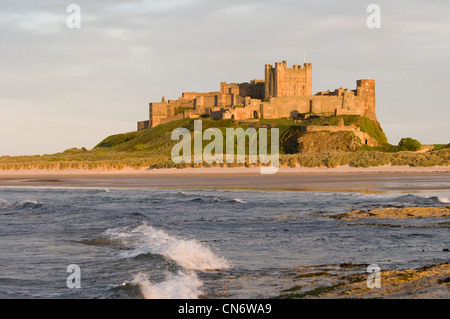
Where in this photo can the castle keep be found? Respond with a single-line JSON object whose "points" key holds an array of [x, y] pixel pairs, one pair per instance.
{"points": [[284, 93]]}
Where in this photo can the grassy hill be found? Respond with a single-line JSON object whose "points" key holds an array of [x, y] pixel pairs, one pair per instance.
{"points": [[158, 138], [152, 148]]}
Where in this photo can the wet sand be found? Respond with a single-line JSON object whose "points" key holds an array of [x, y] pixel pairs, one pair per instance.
{"points": [[370, 180]]}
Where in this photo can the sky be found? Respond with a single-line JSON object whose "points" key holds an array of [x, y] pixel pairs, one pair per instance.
{"points": [[64, 87]]}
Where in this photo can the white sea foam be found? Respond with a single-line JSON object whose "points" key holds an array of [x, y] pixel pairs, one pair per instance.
{"points": [[176, 286], [238, 200], [189, 254], [444, 200], [30, 203]]}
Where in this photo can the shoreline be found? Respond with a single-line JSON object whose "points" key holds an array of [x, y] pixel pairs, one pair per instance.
{"points": [[372, 180], [226, 170]]}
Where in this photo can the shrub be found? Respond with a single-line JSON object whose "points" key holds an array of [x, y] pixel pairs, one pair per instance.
{"points": [[292, 162], [407, 144]]}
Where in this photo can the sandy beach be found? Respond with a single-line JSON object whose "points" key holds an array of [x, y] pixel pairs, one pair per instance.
{"points": [[226, 171], [368, 180]]}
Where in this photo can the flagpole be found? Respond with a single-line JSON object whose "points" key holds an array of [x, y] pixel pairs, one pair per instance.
{"points": [[304, 57]]}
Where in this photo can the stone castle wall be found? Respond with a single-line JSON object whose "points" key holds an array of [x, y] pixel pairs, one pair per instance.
{"points": [[285, 93]]}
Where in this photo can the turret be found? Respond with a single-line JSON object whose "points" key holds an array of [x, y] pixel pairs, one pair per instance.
{"points": [[366, 90]]}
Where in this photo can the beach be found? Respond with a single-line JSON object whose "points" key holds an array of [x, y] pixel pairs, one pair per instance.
{"points": [[372, 179]]}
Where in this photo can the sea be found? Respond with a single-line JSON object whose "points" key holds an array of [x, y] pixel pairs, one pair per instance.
{"points": [[140, 243]]}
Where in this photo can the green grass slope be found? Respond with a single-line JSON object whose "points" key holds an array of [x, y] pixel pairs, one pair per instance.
{"points": [[152, 148]]}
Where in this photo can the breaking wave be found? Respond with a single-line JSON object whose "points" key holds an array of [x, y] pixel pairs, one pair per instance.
{"points": [[30, 204], [176, 286], [425, 200], [189, 254], [217, 200], [444, 200], [237, 200], [26, 204]]}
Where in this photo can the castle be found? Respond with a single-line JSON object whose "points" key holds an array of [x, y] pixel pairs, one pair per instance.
{"points": [[285, 93]]}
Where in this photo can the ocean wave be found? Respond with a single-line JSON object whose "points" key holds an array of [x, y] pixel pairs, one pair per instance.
{"points": [[101, 241], [217, 200], [422, 200], [176, 286], [444, 200], [29, 204], [26, 204], [238, 200], [12, 208], [406, 198], [206, 200], [189, 254]]}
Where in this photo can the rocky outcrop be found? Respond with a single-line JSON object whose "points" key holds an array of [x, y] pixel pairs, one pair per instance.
{"points": [[322, 141]]}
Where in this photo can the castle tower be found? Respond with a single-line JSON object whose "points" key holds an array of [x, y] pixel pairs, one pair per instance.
{"points": [[269, 81], [366, 90], [282, 81], [308, 78]]}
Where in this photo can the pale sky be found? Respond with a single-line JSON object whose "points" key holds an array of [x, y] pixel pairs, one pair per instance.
{"points": [[63, 88]]}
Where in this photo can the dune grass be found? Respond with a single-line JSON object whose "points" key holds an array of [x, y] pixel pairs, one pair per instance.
{"points": [[152, 148]]}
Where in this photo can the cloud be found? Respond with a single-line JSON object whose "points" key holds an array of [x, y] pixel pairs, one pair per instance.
{"points": [[35, 22], [145, 6], [127, 54]]}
